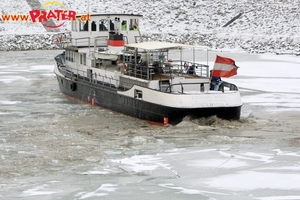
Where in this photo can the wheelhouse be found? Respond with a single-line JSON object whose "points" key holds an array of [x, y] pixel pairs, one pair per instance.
{"points": [[96, 29]]}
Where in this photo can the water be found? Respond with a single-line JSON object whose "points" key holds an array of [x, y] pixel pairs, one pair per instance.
{"points": [[53, 147]]}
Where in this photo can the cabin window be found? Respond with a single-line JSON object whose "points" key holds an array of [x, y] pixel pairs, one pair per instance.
{"points": [[94, 26], [70, 56], [84, 26], [83, 58], [67, 55], [133, 24], [111, 25], [124, 25], [103, 25], [74, 25], [138, 94]]}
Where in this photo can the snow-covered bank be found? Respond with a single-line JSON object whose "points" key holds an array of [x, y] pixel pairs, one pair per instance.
{"points": [[248, 43], [44, 41], [251, 44]]}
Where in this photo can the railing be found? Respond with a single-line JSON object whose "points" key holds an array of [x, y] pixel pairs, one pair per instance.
{"points": [[89, 77], [176, 67], [84, 41], [201, 86], [231, 86], [186, 67], [126, 82], [140, 71], [100, 41], [139, 39]]}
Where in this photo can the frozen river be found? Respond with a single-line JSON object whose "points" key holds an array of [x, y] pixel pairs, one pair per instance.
{"points": [[52, 147]]}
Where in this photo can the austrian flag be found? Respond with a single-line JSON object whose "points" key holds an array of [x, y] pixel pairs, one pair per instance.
{"points": [[224, 67]]}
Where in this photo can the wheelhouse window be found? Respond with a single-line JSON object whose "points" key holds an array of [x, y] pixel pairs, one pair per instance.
{"points": [[83, 58], [138, 94], [84, 26], [74, 26], [111, 25], [94, 26], [70, 56], [103, 25], [124, 25], [133, 24], [67, 55]]}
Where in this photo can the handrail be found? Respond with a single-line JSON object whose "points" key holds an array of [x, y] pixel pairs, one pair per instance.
{"points": [[181, 84], [146, 71], [78, 39], [199, 69], [140, 71], [93, 79], [231, 86], [101, 39]]}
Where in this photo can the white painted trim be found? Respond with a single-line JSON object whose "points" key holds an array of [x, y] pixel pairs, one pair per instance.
{"points": [[189, 100]]}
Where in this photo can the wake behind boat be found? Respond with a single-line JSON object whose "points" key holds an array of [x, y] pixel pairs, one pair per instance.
{"points": [[108, 63]]}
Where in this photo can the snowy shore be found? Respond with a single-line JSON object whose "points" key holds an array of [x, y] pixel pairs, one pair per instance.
{"points": [[262, 27], [251, 44]]}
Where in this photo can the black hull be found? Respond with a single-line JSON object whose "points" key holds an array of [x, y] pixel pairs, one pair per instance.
{"points": [[108, 97]]}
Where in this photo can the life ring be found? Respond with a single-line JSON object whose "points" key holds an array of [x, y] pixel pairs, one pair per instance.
{"points": [[125, 67], [73, 86], [186, 66]]}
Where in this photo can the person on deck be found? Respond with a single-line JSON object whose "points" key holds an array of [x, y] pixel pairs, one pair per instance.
{"points": [[124, 27], [215, 82], [191, 69]]}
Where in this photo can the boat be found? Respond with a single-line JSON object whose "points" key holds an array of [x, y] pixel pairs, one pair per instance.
{"points": [[113, 66], [102, 54]]}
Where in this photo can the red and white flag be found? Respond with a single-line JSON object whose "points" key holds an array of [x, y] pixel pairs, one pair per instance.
{"points": [[224, 67]]}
